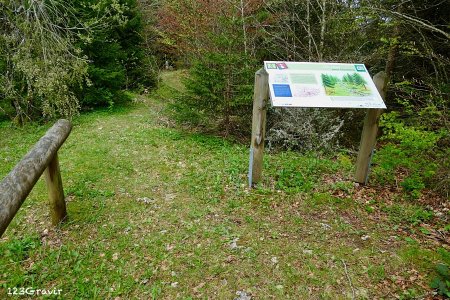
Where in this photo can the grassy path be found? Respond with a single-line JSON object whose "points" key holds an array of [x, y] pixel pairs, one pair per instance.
{"points": [[160, 213]]}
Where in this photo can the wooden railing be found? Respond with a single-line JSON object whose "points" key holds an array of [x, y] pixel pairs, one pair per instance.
{"points": [[43, 158]]}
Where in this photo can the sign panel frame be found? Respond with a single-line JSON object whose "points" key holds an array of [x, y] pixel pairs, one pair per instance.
{"points": [[332, 85], [265, 89]]}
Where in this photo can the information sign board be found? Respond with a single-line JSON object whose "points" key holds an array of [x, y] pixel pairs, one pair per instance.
{"points": [[304, 84]]}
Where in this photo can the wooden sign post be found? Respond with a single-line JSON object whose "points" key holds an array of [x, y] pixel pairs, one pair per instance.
{"points": [[260, 101], [369, 133], [290, 84]]}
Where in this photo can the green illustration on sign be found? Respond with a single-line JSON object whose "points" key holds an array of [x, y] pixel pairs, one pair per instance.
{"points": [[347, 85]]}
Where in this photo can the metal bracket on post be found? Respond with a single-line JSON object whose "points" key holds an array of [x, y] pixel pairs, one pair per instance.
{"points": [[369, 166], [250, 168]]}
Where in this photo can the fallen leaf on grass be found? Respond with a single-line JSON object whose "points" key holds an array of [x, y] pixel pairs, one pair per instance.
{"points": [[145, 200], [198, 287], [242, 296]]}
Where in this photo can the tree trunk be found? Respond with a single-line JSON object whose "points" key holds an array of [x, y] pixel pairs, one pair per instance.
{"points": [[322, 29], [244, 29], [227, 96], [393, 50], [308, 26]]}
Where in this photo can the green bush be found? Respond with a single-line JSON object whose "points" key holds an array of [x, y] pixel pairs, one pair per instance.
{"points": [[410, 153], [39, 63], [442, 281], [19, 249], [114, 47], [219, 93]]}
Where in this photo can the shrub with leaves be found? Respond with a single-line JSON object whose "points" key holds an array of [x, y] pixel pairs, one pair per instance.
{"points": [[38, 61], [442, 281], [58, 56], [305, 129], [219, 91], [411, 153], [114, 46]]}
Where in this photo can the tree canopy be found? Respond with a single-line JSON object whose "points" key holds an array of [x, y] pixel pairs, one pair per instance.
{"points": [[58, 56]]}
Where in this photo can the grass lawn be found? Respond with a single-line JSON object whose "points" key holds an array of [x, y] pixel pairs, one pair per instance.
{"points": [[158, 212]]}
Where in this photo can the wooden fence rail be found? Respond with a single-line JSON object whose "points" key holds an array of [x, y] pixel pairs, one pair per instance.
{"points": [[16, 186]]}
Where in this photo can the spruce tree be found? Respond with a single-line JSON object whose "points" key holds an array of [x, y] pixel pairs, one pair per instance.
{"points": [[348, 78], [359, 80], [114, 47], [328, 81]]}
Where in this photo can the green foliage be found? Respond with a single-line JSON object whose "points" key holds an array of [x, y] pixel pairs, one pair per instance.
{"points": [[329, 80], [219, 89], [57, 57], [39, 63], [410, 152], [19, 249], [417, 134], [413, 214], [115, 49], [414, 139], [442, 281]]}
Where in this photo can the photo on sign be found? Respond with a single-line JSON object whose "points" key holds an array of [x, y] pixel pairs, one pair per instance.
{"points": [[348, 84]]}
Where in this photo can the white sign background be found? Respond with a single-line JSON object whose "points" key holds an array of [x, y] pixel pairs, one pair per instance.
{"points": [[304, 84]]}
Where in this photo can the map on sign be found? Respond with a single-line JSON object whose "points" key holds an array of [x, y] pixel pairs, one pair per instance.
{"points": [[302, 84]]}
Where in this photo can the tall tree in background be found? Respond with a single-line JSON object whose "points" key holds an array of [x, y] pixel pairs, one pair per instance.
{"points": [[115, 48], [418, 49], [149, 35], [57, 56], [214, 37], [311, 30]]}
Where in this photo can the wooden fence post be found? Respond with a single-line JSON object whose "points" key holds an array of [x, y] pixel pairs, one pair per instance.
{"points": [[260, 98], [369, 134], [55, 191], [16, 186]]}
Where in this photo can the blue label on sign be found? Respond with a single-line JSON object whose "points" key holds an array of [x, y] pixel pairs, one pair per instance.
{"points": [[282, 90], [360, 68]]}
